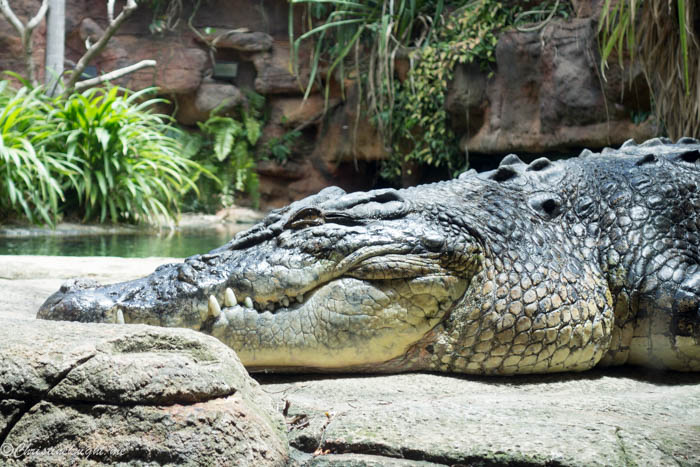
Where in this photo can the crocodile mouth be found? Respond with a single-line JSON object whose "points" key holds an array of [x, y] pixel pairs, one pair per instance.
{"points": [[367, 268], [369, 314], [337, 312]]}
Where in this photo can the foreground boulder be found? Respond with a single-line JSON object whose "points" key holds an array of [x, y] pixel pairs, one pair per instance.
{"points": [[104, 394]]}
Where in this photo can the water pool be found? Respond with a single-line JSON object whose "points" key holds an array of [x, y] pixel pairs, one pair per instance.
{"points": [[138, 245]]}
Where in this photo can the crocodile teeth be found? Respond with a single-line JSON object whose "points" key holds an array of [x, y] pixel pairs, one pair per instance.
{"points": [[120, 317], [248, 302], [214, 307], [230, 298], [300, 298], [285, 302]]}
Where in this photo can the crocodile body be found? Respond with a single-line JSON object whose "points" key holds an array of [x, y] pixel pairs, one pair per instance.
{"points": [[529, 268]]}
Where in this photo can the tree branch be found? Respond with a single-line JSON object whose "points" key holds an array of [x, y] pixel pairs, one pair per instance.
{"points": [[96, 48], [11, 17], [34, 22], [80, 85], [25, 32]]}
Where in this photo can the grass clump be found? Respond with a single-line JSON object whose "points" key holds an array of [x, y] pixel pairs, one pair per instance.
{"points": [[101, 154]]}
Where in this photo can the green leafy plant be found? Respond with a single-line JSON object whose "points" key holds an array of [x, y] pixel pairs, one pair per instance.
{"points": [[659, 36], [132, 162], [30, 173], [424, 134], [280, 149], [363, 40], [226, 146]]}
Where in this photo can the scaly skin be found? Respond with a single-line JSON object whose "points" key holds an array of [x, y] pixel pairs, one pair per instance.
{"points": [[546, 267]]}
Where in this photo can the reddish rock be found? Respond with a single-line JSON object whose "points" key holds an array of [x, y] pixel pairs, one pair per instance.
{"points": [[282, 184], [179, 70], [347, 137], [241, 41], [290, 112], [275, 74]]}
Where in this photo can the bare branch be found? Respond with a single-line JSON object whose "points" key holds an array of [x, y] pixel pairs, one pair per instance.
{"points": [[34, 22], [98, 46], [11, 17], [110, 11], [80, 85], [25, 32]]}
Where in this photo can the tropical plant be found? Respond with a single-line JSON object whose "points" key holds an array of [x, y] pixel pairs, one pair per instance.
{"points": [[424, 133], [131, 158], [30, 173], [363, 40], [279, 149], [660, 36], [226, 146]]}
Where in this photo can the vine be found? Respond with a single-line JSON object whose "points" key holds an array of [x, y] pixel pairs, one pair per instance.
{"points": [[424, 135], [364, 40]]}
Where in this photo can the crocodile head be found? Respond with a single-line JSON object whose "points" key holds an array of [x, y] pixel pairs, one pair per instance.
{"points": [[334, 281]]}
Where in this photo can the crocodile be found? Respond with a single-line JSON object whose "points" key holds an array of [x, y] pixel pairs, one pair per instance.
{"points": [[528, 268]]}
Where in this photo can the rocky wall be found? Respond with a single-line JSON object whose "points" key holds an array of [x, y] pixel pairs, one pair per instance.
{"points": [[545, 95]]}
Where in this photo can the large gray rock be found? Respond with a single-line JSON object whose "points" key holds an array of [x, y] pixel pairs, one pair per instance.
{"points": [[615, 417], [546, 94], [102, 394], [195, 108]]}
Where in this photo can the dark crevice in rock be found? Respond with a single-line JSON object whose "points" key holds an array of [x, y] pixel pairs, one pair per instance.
{"points": [[11, 419], [309, 444], [61, 376], [196, 398], [627, 460]]}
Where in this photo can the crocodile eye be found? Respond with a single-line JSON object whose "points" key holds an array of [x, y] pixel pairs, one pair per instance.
{"points": [[305, 217]]}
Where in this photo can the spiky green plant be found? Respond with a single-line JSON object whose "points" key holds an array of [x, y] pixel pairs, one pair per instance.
{"points": [[660, 36], [30, 173], [364, 39], [133, 166]]}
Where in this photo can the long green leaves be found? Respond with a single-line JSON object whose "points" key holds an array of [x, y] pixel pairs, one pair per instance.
{"points": [[133, 165], [29, 171], [101, 151], [659, 36], [226, 145], [367, 36]]}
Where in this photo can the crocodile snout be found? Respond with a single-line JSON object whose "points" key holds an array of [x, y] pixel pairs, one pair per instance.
{"points": [[80, 300]]}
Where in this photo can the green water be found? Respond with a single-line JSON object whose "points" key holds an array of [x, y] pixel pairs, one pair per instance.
{"points": [[176, 245]]}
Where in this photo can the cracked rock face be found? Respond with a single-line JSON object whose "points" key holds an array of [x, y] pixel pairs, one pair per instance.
{"points": [[600, 418], [106, 394]]}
